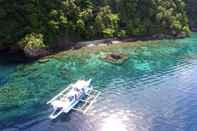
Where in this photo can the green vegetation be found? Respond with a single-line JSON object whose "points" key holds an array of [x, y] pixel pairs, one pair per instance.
{"points": [[40, 23], [32, 41]]}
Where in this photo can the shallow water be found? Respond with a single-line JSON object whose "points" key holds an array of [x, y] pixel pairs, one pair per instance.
{"points": [[155, 90]]}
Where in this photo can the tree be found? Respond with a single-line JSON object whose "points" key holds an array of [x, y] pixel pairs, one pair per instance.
{"points": [[77, 20], [106, 23]]}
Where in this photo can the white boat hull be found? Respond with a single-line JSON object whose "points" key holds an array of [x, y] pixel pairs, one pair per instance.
{"points": [[66, 100]]}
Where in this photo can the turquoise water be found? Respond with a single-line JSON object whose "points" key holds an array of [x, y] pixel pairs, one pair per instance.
{"points": [[155, 90]]}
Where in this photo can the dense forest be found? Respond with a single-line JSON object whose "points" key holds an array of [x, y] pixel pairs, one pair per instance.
{"points": [[192, 13], [42, 23]]}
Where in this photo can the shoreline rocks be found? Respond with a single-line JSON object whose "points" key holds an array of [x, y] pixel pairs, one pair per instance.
{"points": [[36, 53], [65, 45]]}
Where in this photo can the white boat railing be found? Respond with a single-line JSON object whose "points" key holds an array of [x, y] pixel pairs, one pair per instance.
{"points": [[91, 103], [88, 102]]}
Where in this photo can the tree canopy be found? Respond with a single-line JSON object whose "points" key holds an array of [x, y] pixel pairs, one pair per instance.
{"points": [[192, 12], [39, 23]]}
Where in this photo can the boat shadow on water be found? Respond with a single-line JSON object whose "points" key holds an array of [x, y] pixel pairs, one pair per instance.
{"points": [[73, 121]]}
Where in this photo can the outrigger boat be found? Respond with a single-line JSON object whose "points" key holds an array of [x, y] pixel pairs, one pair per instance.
{"points": [[70, 97]]}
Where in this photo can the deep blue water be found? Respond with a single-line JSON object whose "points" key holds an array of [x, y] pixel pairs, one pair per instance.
{"points": [[155, 90]]}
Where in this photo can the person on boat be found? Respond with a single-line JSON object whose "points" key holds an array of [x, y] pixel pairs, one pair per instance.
{"points": [[77, 93], [76, 89]]}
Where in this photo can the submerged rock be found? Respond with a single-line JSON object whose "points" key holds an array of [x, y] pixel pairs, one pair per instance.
{"points": [[3, 81], [115, 42], [115, 58], [43, 60]]}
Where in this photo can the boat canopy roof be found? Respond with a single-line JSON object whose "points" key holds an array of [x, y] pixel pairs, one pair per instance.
{"points": [[80, 84], [59, 104]]}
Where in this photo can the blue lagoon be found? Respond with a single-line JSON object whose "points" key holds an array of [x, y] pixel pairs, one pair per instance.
{"points": [[154, 90]]}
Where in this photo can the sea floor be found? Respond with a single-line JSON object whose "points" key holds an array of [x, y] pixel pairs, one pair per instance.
{"points": [[154, 90]]}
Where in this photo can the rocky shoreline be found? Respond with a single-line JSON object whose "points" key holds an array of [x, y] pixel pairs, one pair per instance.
{"points": [[36, 53]]}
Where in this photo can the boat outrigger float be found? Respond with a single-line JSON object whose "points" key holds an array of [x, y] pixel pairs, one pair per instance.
{"points": [[71, 96]]}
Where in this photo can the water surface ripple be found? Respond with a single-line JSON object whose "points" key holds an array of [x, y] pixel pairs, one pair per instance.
{"points": [[155, 90]]}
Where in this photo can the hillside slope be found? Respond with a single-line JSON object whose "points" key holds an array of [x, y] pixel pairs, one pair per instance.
{"points": [[37, 24]]}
